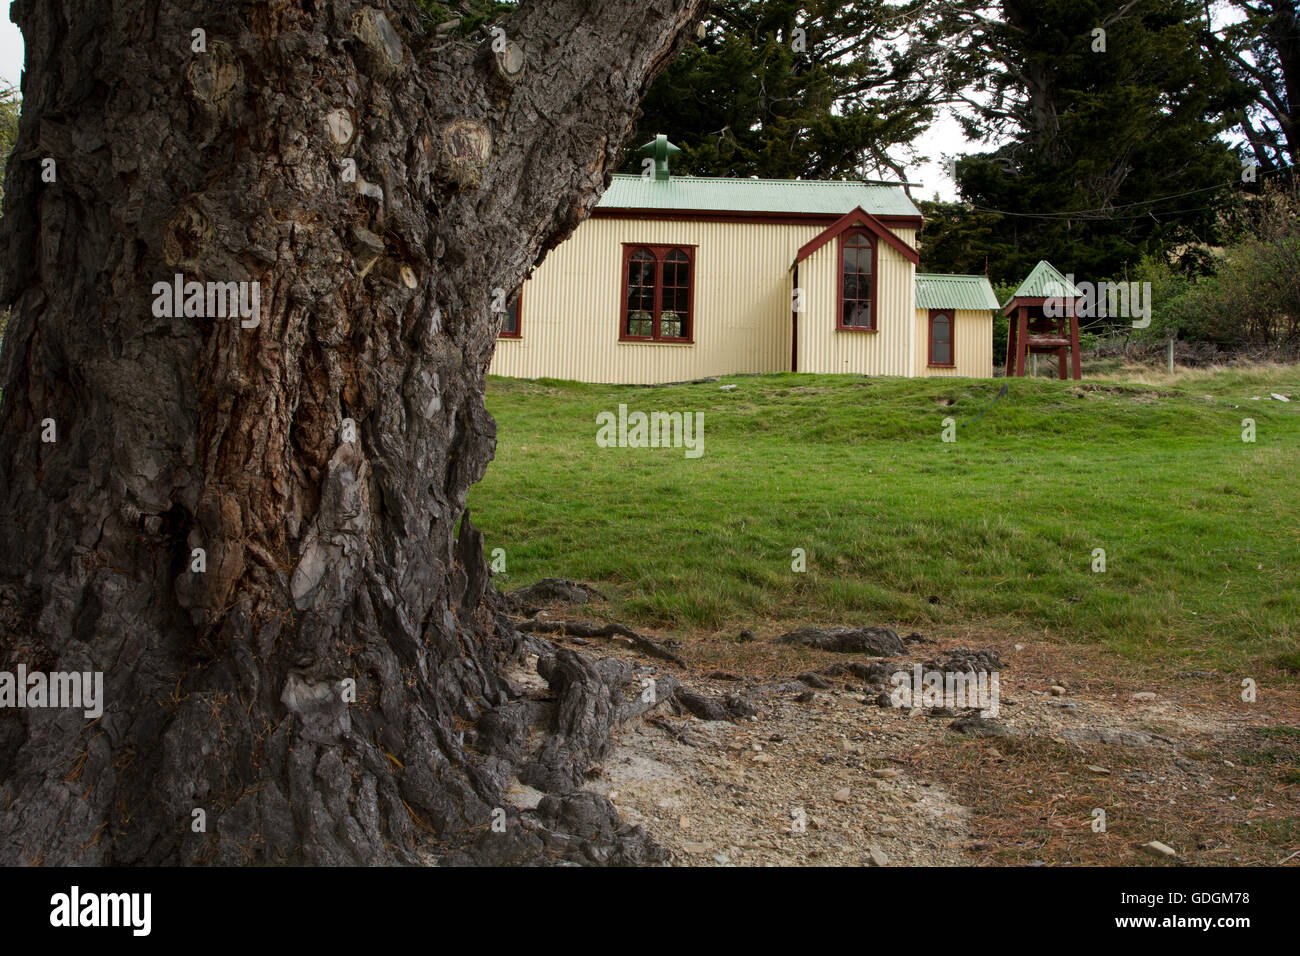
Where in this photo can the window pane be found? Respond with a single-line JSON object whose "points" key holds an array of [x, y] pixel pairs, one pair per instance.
{"points": [[855, 291], [641, 293], [674, 298], [510, 324], [941, 339]]}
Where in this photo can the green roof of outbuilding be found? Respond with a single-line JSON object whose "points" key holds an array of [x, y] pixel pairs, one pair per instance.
{"points": [[1044, 282], [954, 292], [756, 195]]}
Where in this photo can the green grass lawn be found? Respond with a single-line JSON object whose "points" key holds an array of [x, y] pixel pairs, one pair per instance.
{"points": [[1201, 530]]}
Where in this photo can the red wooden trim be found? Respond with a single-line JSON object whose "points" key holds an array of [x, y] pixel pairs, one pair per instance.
{"points": [[1074, 346], [794, 326], [1022, 333], [741, 216], [952, 338], [1011, 346], [518, 333], [660, 252], [839, 290], [1033, 301], [850, 220]]}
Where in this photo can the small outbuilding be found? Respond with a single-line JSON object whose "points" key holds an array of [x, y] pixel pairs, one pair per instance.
{"points": [[954, 321], [1042, 320]]}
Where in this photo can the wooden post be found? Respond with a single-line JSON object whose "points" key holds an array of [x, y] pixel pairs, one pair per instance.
{"points": [[1060, 363], [1022, 333], [1011, 344], [794, 322], [1170, 356], [1074, 339]]}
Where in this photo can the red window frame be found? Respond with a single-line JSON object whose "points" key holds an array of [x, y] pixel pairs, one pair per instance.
{"points": [[660, 253], [844, 240], [952, 338], [518, 333]]}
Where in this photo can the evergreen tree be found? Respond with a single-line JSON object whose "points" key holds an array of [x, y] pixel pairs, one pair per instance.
{"points": [[1263, 53], [1111, 111], [785, 89]]}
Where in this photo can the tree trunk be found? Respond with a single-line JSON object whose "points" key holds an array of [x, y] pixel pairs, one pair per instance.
{"points": [[318, 454]]}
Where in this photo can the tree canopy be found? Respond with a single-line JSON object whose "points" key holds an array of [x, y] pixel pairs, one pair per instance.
{"points": [[1104, 119], [786, 89]]}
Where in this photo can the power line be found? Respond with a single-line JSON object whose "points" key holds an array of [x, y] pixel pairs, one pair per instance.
{"points": [[1106, 212]]}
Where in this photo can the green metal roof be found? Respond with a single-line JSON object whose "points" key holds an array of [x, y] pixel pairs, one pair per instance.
{"points": [[712, 194], [954, 292], [1043, 282]]}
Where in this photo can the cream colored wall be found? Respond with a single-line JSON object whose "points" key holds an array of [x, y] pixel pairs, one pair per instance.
{"points": [[972, 344], [572, 305], [887, 351]]}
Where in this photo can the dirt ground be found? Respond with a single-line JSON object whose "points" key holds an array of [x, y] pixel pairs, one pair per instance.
{"points": [[1092, 764]]}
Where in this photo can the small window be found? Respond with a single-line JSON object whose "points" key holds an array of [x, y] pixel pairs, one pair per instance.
{"points": [[941, 353], [658, 292], [511, 326], [857, 282]]}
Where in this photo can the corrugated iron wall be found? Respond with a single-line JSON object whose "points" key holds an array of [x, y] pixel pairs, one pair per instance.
{"points": [[887, 351], [972, 344], [572, 305]]}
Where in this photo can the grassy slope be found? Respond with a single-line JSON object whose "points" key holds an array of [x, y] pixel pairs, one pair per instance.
{"points": [[1201, 531]]}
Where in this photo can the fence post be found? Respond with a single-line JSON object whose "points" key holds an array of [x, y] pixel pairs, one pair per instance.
{"points": [[1170, 354]]}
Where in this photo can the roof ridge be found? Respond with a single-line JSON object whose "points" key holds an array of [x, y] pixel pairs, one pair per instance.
{"points": [[678, 177]]}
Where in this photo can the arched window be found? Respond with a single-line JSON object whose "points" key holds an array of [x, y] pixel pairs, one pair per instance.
{"points": [[857, 281], [642, 279], [658, 290], [941, 350], [675, 301]]}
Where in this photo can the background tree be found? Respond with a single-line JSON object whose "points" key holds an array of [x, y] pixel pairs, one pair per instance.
{"points": [[1106, 155], [10, 106], [956, 238], [783, 89], [1263, 52], [317, 462]]}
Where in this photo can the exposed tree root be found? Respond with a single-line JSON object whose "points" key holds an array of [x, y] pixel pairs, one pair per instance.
{"points": [[583, 629]]}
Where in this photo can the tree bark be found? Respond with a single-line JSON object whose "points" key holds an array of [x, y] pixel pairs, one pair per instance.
{"points": [[335, 552]]}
